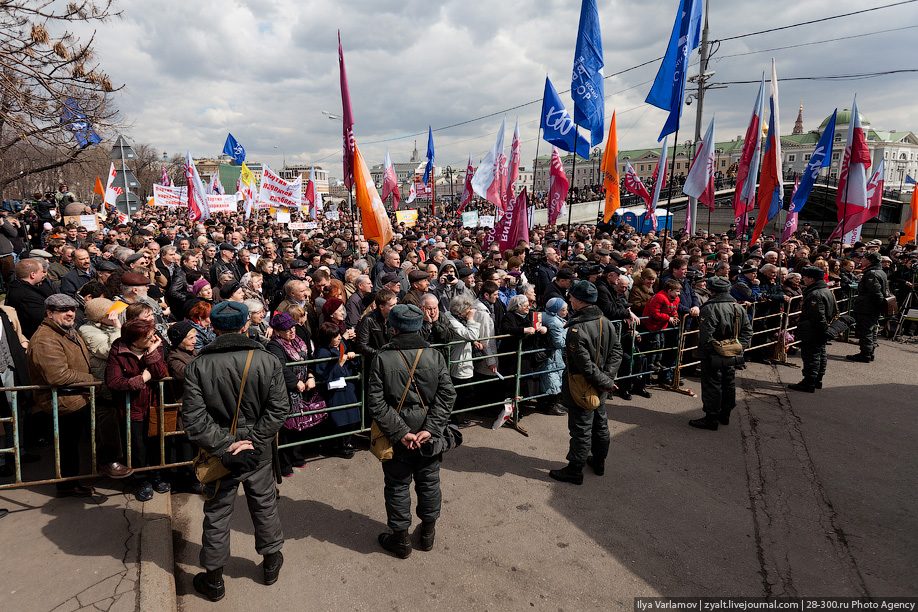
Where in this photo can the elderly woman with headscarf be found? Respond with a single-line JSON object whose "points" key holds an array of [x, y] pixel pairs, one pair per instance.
{"points": [[287, 346], [550, 382], [524, 335], [252, 284]]}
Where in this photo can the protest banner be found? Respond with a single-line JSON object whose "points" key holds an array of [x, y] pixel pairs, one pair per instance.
{"points": [[283, 216], [222, 203], [408, 217], [470, 218], [275, 191], [171, 197], [486, 221], [332, 215], [90, 222]]}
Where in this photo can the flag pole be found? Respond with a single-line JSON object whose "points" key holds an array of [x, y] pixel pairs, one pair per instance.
{"points": [[669, 197], [535, 168], [570, 209]]}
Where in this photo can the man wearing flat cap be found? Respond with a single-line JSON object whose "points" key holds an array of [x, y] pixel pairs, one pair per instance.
{"points": [[410, 396], [818, 310], [592, 352], [872, 290], [230, 366], [721, 319], [225, 262], [420, 283]]}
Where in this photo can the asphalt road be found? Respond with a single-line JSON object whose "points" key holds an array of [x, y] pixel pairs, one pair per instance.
{"points": [[802, 495]]}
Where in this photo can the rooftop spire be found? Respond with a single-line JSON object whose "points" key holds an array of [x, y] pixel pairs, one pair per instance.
{"points": [[798, 125]]}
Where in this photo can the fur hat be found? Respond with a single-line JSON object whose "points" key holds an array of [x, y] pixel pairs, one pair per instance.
{"points": [[718, 284], [585, 291], [813, 272], [229, 316], [406, 318]]}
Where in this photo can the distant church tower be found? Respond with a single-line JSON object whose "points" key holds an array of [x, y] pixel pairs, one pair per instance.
{"points": [[798, 125], [415, 156]]}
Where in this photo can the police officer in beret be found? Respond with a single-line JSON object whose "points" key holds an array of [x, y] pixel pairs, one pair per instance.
{"points": [[721, 319], [594, 352], [818, 310]]}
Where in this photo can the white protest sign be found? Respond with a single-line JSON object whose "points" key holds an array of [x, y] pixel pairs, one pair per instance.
{"points": [[470, 218], [332, 215], [298, 226], [275, 191], [170, 196], [221, 203], [89, 222], [283, 216], [486, 221], [311, 225]]}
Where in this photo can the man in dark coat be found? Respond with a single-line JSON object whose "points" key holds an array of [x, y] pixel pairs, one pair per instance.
{"points": [[213, 383], [558, 287], [818, 310], [593, 352], [225, 262], [410, 397], [872, 289], [373, 331], [27, 294], [721, 319]]}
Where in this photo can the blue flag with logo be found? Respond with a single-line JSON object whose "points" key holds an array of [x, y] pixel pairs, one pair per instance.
{"points": [[666, 91], [75, 120], [910, 180], [557, 126], [821, 158], [587, 82], [234, 150], [428, 169]]}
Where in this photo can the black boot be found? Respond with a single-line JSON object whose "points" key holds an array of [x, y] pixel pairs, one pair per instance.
{"points": [[861, 357], [428, 533], [599, 467], [807, 385], [706, 422], [210, 584], [818, 384], [272, 567], [723, 417], [568, 474], [396, 543]]}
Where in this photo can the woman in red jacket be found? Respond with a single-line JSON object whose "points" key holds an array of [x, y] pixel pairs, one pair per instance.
{"points": [[661, 312], [135, 361]]}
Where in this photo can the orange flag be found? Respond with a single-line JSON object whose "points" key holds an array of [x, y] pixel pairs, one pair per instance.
{"points": [[376, 225], [911, 226], [610, 168], [100, 188]]}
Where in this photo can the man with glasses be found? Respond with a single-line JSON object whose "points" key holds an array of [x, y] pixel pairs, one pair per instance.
{"points": [[58, 357]]}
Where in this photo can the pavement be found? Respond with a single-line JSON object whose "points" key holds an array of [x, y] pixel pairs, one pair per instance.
{"points": [[801, 495]]}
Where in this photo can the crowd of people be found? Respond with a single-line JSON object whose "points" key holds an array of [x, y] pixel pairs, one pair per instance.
{"points": [[105, 314]]}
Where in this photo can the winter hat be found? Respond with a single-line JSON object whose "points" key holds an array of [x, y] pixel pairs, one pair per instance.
{"points": [[198, 285], [554, 305], [406, 318], [229, 316], [178, 332], [585, 291], [97, 308]]}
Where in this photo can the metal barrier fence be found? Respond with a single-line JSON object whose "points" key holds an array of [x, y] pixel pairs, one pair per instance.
{"points": [[771, 329]]}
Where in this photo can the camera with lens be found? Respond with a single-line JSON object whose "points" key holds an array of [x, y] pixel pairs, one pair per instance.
{"points": [[585, 271]]}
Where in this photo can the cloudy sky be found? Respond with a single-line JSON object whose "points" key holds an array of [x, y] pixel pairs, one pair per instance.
{"points": [[266, 69]]}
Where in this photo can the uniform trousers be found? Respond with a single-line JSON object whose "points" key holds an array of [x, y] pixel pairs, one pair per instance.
{"points": [[718, 388], [261, 497], [398, 473], [589, 432], [866, 326]]}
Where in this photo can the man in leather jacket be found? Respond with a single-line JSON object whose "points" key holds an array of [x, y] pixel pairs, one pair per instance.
{"points": [[872, 289], [818, 310]]}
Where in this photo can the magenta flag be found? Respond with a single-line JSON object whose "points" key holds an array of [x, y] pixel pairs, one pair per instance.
{"points": [[634, 184], [790, 226], [558, 186], [514, 225], [467, 191], [347, 120]]}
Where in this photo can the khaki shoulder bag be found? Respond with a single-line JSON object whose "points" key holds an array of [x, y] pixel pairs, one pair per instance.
{"points": [[585, 394], [207, 467], [730, 347], [380, 445]]}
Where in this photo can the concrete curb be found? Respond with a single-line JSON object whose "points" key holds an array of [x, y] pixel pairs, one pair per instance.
{"points": [[156, 583]]}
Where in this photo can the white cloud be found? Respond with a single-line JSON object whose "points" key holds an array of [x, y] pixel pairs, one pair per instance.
{"points": [[264, 70]]}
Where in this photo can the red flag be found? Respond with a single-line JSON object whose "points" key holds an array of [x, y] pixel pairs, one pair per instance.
{"points": [[347, 120], [634, 185], [311, 196], [744, 195], [911, 225], [852, 180], [558, 186], [514, 225], [99, 188], [390, 183], [467, 191], [861, 215], [513, 169]]}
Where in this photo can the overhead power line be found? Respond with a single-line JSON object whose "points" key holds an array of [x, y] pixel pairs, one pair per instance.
{"points": [[816, 42], [832, 77]]}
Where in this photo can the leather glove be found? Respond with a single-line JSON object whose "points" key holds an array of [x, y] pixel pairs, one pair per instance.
{"points": [[241, 462]]}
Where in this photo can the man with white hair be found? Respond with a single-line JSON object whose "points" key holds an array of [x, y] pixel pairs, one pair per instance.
{"points": [[355, 304]]}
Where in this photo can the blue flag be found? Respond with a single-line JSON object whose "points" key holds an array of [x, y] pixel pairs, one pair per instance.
{"points": [[428, 169], [557, 126], [75, 119], [234, 150], [821, 158], [587, 82], [910, 180], [666, 91]]}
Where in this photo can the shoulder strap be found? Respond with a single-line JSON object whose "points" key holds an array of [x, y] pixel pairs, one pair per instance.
{"points": [[602, 323], [245, 375], [736, 311], [411, 370]]}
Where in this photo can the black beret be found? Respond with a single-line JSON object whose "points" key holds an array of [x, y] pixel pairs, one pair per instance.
{"points": [[813, 272], [565, 274]]}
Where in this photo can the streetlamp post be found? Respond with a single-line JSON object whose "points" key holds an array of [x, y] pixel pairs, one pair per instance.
{"points": [[285, 155], [449, 176]]}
